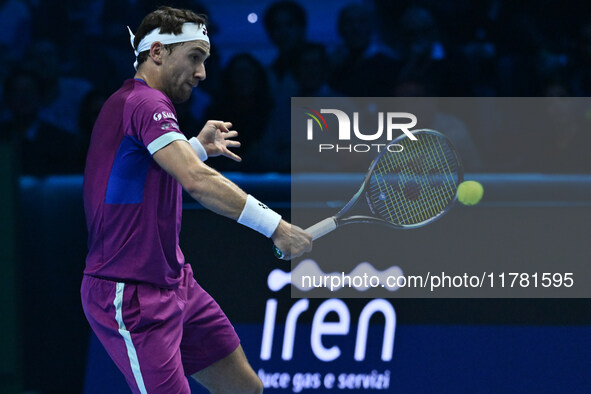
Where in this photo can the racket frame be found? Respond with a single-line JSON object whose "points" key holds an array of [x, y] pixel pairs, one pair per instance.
{"points": [[331, 223], [340, 220]]}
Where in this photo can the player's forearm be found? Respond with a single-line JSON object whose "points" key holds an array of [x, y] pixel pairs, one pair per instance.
{"points": [[216, 192], [203, 183]]}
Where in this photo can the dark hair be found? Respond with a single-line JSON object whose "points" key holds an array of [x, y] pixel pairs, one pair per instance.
{"points": [[290, 7], [169, 20]]}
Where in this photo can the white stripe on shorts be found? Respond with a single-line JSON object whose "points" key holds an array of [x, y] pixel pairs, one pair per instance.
{"points": [[131, 353]]}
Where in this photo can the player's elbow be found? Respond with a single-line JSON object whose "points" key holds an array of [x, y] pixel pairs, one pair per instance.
{"points": [[194, 191], [197, 180], [195, 188]]}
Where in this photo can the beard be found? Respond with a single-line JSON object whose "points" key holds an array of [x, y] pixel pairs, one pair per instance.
{"points": [[178, 96], [178, 93]]}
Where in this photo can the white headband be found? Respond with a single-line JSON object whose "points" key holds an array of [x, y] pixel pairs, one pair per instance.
{"points": [[191, 32]]}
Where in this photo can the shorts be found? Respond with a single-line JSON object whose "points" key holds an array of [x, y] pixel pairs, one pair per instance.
{"points": [[157, 336]]}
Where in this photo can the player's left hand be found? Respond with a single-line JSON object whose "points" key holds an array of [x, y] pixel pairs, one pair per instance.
{"points": [[216, 139]]}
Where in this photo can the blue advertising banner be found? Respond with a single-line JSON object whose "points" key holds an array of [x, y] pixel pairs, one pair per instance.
{"points": [[440, 358]]}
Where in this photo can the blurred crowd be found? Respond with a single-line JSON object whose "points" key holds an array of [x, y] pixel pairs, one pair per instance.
{"points": [[62, 59]]}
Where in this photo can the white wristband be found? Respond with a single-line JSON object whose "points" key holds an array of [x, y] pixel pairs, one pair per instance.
{"points": [[198, 148], [259, 217]]}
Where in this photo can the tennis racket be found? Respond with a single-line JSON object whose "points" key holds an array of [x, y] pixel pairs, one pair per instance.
{"points": [[404, 188]]}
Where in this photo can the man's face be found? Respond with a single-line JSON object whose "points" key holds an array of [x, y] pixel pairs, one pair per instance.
{"points": [[183, 68]]}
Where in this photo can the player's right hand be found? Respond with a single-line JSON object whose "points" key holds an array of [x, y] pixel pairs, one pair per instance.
{"points": [[291, 240], [216, 138]]}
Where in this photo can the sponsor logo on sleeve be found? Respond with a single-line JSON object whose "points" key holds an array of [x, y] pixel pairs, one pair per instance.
{"points": [[169, 126], [163, 115]]}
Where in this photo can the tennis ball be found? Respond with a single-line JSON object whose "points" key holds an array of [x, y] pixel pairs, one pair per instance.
{"points": [[470, 192]]}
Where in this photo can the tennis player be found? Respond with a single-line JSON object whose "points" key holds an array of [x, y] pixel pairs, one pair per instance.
{"points": [[138, 294]]}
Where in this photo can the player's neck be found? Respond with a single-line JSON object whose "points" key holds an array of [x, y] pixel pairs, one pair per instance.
{"points": [[147, 77]]}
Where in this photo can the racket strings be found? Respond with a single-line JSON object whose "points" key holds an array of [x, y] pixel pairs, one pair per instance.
{"points": [[410, 209], [435, 199], [417, 184], [424, 208], [440, 195], [432, 199]]}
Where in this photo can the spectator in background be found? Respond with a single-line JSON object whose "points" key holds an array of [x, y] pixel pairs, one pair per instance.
{"points": [[426, 56], [429, 115], [360, 65], [96, 51], [61, 95], [91, 43], [43, 148], [249, 106], [16, 20], [518, 38], [479, 55], [312, 71], [285, 23]]}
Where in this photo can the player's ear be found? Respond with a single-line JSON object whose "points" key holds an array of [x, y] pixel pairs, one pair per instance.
{"points": [[156, 51]]}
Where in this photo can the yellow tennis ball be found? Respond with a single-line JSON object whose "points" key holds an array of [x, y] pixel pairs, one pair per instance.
{"points": [[470, 192]]}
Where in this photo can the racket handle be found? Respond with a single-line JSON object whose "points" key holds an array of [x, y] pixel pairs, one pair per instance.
{"points": [[322, 228], [317, 230]]}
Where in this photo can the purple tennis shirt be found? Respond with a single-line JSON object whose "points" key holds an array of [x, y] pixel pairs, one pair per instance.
{"points": [[133, 207]]}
